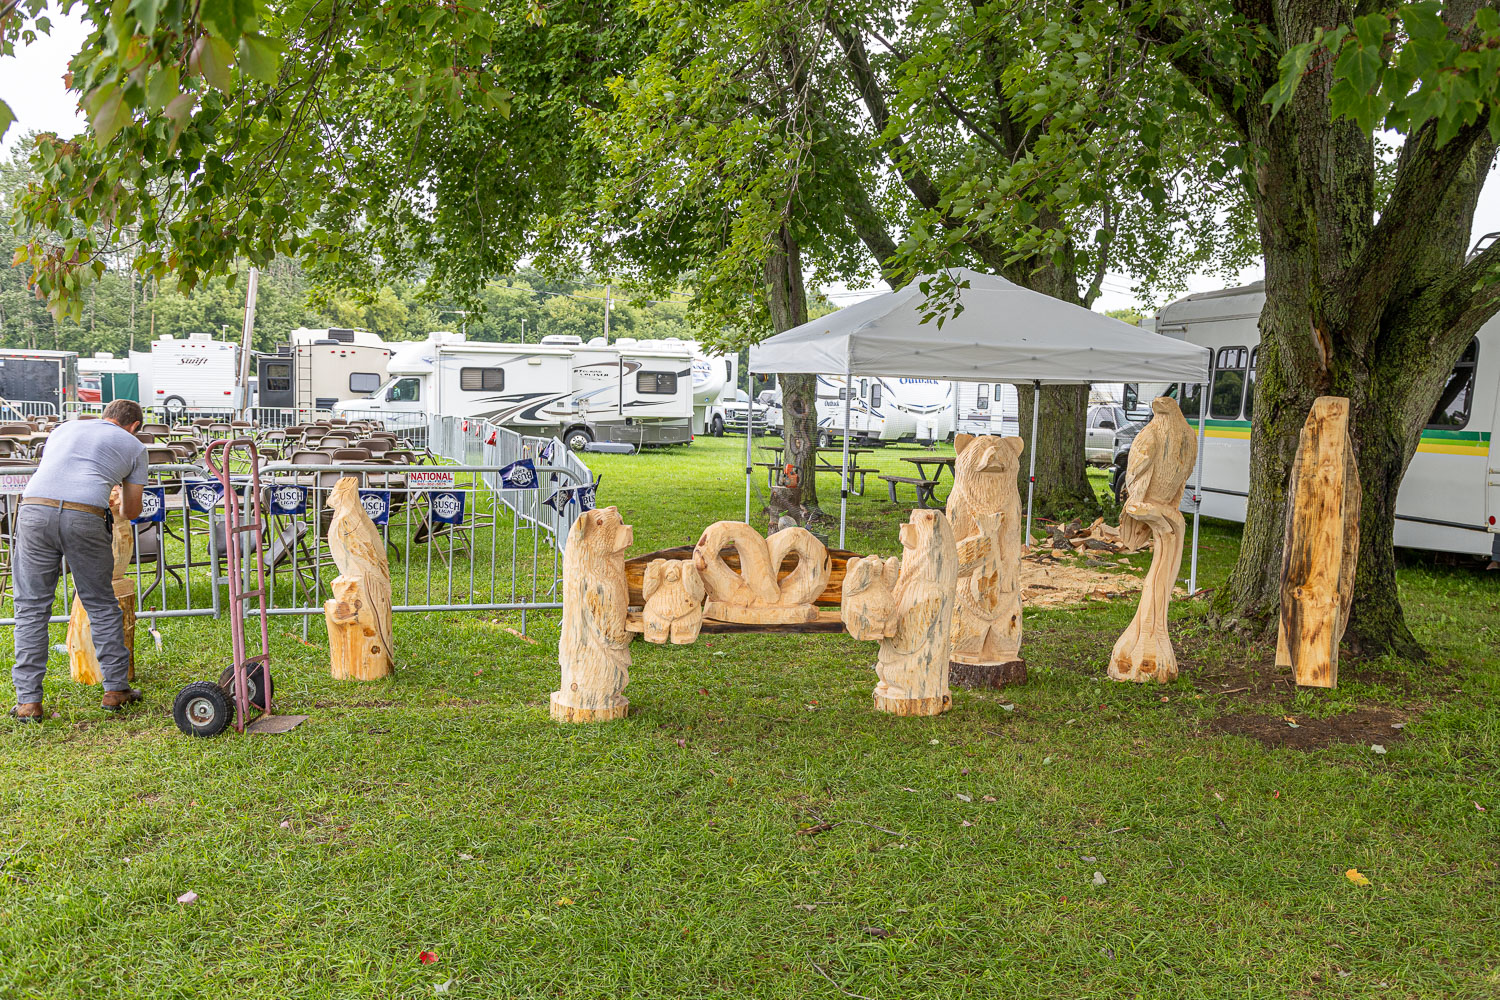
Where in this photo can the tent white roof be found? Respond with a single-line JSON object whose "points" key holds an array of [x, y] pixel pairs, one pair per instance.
{"points": [[1005, 333]]}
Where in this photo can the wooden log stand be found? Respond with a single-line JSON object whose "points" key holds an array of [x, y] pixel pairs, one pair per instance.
{"points": [[594, 650], [83, 659], [1161, 459], [360, 640], [1321, 547], [985, 509]]}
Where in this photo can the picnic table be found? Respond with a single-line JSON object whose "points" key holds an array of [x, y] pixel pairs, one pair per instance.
{"points": [[823, 464], [924, 483]]}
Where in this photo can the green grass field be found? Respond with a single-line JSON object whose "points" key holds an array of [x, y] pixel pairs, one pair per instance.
{"points": [[754, 829]]}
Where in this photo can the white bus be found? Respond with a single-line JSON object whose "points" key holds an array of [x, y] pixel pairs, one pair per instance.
{"points": [[1449, 500]]}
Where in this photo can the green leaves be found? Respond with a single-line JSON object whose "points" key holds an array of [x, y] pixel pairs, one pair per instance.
{"points": [[212, 57], [260, 57], [108, 112], [227, 19], [162, 88], [7, 118]]}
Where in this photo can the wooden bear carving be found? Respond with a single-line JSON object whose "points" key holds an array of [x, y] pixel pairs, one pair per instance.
{"points": [[868, 605], [674, 601], [913, 661], [985, 508], [594, 651], [1161, 459], [754, 596]]}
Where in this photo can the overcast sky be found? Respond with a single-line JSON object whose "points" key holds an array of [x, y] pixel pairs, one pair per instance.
{"points": [[31, 83]]}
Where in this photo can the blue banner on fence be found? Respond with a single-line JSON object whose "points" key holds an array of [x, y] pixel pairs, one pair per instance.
{"points": [[546, 453], [153, 505], [204, 495], [377, 503], [581, 495], [287, 499], [447, 506], [519, 476]]}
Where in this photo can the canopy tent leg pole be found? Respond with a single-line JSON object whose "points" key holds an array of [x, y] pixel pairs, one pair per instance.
{"points": [[844, 481], [749, 433], [1198, 489], [1036, 406]]}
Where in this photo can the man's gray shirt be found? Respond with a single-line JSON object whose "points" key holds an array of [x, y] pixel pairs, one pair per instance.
{"points": [[85, 459]]}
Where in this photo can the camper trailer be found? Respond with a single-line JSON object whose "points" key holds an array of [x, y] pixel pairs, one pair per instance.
{"points": [[196, 373], [715, 381], [886, 409], [987, 408], [316, 368], [628, 391], [1449, 500], [46, 377]]}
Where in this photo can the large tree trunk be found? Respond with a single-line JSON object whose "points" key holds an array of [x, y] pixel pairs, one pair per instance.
{"points": [[787, 300], [1062, 482]]}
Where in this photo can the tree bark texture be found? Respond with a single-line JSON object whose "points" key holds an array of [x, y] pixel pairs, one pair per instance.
{"points": [[787, 299], [1062, 483]]}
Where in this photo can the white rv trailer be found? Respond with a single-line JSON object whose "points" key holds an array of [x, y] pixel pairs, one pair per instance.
{"points": [[987, 408], [1449, 500], [715, 379], [315, 368], [198, 372], [629, 391], [886, 409]]}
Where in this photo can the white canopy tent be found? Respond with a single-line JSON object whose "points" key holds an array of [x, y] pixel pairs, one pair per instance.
{"points": [[1005, 333]]}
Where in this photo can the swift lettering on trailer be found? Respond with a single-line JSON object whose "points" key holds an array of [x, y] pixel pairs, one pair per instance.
{"points": [[193, 361], [430, 479]]}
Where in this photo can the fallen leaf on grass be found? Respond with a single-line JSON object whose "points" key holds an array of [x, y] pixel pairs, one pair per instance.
{"points": [[1009, 708], [426, 957], [1354, 876], [1377, 748], [963, 798], [879, 932], [1046, 760], [934, 742], [989, 798], [518, 635], [1099, 878], [441, 987], [188, 898], [565, 901]]}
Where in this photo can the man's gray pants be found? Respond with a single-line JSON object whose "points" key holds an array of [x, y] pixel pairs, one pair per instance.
{"points": [[45, 536]]}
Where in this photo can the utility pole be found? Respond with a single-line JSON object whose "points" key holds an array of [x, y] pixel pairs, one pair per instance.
{"points": [[250, 291], [606, 313], [523, 329]]}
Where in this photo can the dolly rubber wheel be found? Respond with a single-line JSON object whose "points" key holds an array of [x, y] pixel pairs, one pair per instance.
{"points": [[255, 678], [202, 709]]}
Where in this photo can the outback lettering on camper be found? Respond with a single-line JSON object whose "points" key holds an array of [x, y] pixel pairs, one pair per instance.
{"points": [[200, 360]]}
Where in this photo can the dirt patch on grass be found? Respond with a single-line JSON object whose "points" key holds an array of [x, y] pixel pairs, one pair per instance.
{"points": [[1047, 582], [1372, 725]]}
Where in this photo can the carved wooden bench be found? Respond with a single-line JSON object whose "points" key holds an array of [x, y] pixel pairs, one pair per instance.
{"points": [[924, 489]]}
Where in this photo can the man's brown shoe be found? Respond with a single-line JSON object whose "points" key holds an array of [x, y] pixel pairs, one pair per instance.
{"points": [[30, 712], [115, 700]]}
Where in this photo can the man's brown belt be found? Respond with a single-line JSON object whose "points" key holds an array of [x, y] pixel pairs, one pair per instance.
{"points": [[87, 508]]}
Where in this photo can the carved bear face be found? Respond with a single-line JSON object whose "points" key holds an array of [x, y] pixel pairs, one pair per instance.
{"points": [[602, 530], [917, 532], [986, 453]]}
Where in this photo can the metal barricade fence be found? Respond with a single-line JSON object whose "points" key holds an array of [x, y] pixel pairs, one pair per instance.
{"points": [[27, 408]]}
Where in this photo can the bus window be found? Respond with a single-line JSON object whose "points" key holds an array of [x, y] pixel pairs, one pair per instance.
{"points": [[1250, 383], [1229, 383], [982, 396], [1452, 410], [1189, 395]]}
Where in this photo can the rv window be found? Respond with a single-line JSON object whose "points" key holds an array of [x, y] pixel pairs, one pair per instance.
{"points": [[481, 379], [1452, 410], [1250, 384], [363, 383], [864, 388], [998, 387], [982, 398], [656, 383], [1229, 383], [276, 376], [875, 394], [406, 390]]}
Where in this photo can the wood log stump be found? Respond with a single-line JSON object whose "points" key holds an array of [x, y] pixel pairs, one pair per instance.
{"points": [[594, 648], [985, 508], [83, 658], [913, 660], [753, 594], [1321, 548], [1161, 460], [358, 616]]}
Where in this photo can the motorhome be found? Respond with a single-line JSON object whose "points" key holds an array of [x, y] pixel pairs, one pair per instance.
{"points": [[49, 378], [316, 368], [987, 408], [886, 409], [715, 383], [637, 392], [193, 373], [1449, 500]]}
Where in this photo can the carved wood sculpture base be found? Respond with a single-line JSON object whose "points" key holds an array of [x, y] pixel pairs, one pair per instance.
{"points": [[355, 649], [795, 615], [563, 712], [1144, 651], [911, 706], [361, 644], [986, 675]]}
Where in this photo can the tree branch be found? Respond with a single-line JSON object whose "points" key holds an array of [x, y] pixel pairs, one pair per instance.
{"points": [[1213, 82]]}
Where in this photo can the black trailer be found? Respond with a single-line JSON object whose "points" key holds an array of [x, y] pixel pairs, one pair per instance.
{"points": [[39, 377]]}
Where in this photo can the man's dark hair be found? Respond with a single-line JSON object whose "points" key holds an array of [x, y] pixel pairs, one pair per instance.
{"points": [[124, 412]]}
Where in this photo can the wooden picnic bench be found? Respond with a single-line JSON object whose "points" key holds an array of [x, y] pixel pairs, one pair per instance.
{"points": [[924, 487], [854, 470]]}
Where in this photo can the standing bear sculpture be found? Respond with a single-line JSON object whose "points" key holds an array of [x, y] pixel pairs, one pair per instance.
{"points": [[985, 508], [910, 612], [674, 601], [1161, 459], [594, 650]]}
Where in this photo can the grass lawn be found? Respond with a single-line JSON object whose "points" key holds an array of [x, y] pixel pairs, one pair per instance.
{"points": [[755, 829]]}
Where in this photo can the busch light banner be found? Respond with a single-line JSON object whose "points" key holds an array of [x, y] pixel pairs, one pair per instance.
{"points": [[581, 495], [153, 505], [288, 499], [447, 506], [519, 476], [546, 453], [377, 503], [205, 495]]}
